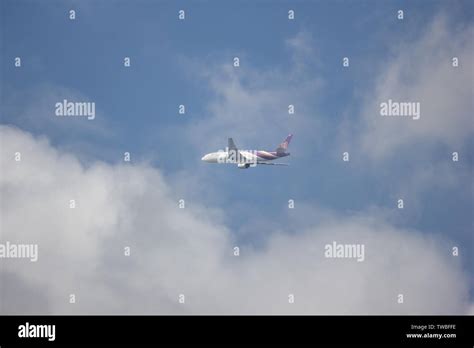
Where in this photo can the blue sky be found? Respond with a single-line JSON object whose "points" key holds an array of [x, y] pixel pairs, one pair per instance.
{"points": [[190, 62]]}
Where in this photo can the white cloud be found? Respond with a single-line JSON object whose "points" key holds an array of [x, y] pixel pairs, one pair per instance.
{"points": [[34, 109], [421, 71], [251, 105], [190, 250]]}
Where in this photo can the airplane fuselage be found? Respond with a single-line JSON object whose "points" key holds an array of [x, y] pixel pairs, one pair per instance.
{"points": [[242, 156], [245, 159]]}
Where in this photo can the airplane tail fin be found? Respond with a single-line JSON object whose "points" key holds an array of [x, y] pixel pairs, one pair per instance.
{"points": [[283, 147]]}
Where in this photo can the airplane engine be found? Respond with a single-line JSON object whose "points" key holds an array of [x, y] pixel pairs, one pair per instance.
{"points": [[243, 165]]}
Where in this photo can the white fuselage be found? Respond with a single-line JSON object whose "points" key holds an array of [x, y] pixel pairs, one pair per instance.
{"points": [[245, 159], [233, 157]]}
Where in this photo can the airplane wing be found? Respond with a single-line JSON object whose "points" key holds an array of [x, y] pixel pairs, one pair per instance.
{"points": [[273, 164], [231, 145]]}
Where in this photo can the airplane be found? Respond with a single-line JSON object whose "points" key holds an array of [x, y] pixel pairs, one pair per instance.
{"points": [[246, 159]]}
